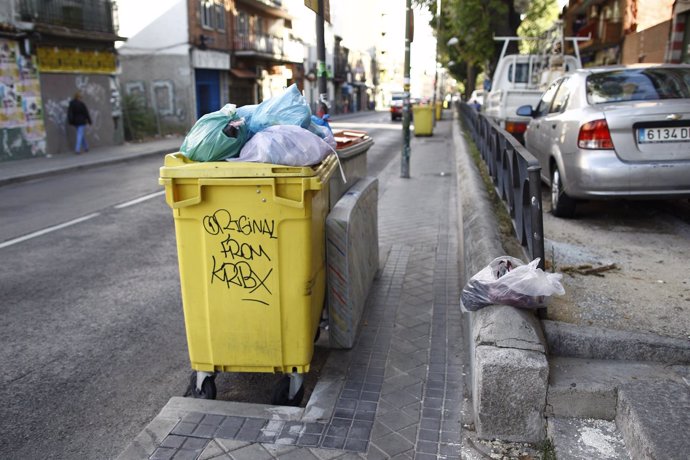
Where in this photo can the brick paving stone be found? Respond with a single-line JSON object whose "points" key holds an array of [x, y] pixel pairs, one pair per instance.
{"points": [[173, 441], [299, 454], [252, 452], [393, 444]]}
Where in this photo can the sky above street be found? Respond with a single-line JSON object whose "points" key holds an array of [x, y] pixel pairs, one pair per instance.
{"points": [[359, 22]]}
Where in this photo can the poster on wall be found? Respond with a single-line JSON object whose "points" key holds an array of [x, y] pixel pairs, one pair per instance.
{"points": [[21, 109], [73, 60]]}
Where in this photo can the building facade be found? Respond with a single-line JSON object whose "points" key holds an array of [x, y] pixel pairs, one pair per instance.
{"points": [[623, 31], [49, 50], [678, 50], [201, 54]]}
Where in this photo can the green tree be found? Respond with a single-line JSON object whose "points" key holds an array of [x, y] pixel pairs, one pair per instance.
{"points": [[541, 16], [474, 23]]}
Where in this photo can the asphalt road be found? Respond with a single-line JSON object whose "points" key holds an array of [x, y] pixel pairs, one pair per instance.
{"points": [[92, 339]]}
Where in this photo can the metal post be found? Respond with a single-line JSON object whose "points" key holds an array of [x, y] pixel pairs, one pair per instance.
{"points": [[537, 236], [405, 159], [438, 33], [321, 71]]}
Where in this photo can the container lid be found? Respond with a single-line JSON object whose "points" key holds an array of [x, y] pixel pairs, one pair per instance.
{"points": [[178, 166]]}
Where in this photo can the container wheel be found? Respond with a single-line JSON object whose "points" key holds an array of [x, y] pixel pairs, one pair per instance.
{"points": [[208, 387], [281, 393]]}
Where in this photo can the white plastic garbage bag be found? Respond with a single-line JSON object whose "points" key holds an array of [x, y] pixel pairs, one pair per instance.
{"points": [[509, 281], [287, 145]]}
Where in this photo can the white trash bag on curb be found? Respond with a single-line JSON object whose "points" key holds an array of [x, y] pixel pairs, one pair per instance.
{"points": [[509, 281]]}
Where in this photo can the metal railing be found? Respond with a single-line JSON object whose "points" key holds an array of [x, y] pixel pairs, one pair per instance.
{"points": [[260, 43], [89, 15], [516, 175]]}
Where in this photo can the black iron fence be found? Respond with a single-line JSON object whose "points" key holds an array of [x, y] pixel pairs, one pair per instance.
{"points": [[516, 176]]}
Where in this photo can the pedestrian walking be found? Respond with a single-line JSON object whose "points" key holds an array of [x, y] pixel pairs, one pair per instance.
{"points": [[78, 116]]}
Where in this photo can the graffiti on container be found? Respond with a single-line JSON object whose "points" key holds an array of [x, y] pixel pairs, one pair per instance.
{"points": [[244, 251], [222, 221], [239, 274], [233, 261]]}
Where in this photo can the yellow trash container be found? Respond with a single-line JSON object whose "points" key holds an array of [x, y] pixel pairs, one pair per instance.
{"points": [[439, 107], [423, 120], [251, 253]]}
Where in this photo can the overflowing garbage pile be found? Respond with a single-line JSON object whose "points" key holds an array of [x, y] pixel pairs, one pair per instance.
{"points": [[280, 130]]}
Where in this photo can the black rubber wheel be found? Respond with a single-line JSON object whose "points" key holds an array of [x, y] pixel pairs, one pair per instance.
{"points": [[282, 391], [208, 388], [561, 204]]}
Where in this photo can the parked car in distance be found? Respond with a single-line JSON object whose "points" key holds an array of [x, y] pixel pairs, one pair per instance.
{"points": [[396, 106], [613, 132]]}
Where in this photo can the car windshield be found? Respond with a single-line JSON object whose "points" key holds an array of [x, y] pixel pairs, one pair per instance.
{"points": [[638, 85]]}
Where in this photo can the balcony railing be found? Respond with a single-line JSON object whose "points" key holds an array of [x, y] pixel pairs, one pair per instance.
{"points": [[259, 43], [275, 47], [88, 15]]}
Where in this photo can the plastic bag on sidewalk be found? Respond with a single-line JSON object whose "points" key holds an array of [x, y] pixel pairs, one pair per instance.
{"points": [[508, 281], [285, 145], [289, 108], [215, 136]]}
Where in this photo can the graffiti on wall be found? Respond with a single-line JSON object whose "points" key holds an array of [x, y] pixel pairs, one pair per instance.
{"points": [[21, 110], [93, 95]]}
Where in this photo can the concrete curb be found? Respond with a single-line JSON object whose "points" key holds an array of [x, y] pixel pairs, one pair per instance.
{"points": [[507, 347], [590, 342], [62, 168]]}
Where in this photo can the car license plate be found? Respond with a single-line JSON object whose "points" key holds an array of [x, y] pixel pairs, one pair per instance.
{"points": [[670, 134]]}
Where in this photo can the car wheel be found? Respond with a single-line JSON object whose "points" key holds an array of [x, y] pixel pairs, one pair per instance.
{"points": [[561, 204]]}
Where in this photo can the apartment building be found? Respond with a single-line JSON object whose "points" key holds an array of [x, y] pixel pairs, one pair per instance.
{"points": [[48, 51], [201, 54]]}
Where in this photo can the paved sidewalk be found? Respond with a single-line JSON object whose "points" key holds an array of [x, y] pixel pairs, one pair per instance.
{"points": [[33, 168], [398, 393]]}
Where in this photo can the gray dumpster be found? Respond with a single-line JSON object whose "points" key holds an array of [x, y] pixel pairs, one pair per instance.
{"points": [[352, 153]]}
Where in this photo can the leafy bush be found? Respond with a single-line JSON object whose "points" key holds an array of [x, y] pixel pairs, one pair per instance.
{"points": [[139, 120]]}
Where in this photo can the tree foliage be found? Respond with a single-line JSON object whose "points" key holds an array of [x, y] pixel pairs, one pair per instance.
{"points": [[139, 120], [474, 23], [540, 17]]}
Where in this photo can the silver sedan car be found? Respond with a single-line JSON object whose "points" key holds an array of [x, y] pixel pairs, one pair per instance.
{"points": [[613, 132]]}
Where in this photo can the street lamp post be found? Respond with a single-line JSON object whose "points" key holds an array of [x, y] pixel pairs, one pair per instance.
{"points": [[405, 157], [438, 33], [322, 74]]}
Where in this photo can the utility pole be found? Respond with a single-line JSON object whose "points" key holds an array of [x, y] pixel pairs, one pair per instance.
{"points": [[438, 34], [405, 158], [321, 71]]}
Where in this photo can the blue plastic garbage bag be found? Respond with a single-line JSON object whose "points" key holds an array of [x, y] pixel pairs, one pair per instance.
{"points": [[247, 112], [289, 108], [323, 121], [216, 136], [324, 132]]}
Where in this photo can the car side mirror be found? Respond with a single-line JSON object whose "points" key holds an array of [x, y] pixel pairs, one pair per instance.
{"points": [[525, 111]]}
